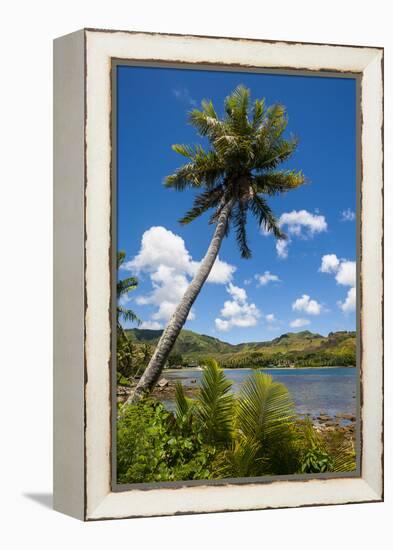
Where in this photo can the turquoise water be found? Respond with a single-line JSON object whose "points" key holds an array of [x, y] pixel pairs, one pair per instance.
{"points": [[316, 390]]}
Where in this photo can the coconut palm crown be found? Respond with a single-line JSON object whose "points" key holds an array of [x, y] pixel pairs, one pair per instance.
{"points": [[240, 168], [234, 176]]}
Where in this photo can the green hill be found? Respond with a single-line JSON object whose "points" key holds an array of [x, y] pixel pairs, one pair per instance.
{"points": [[301, 349]]}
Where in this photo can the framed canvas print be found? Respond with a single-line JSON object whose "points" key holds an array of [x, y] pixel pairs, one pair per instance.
{"points": [[218, 274]]}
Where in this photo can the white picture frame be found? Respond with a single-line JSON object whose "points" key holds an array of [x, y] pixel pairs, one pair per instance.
{"points": [[82, 249]]}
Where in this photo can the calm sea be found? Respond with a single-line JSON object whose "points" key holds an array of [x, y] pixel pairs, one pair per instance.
{"points": [[316, 390]]}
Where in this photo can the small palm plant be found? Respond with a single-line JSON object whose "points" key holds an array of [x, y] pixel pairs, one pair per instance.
{"points": [[233, 178], [250, 432], [123, 287]]}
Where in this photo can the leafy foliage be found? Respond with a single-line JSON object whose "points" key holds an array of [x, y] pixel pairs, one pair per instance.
{"points": [[217, 436], [123, 287], [240, 168], [152, 447], [214, 410], [132, 358]]}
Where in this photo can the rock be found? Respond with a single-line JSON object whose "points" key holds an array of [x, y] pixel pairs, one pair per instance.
{"points": [[324, 418], [350, 417], [163, 383]]}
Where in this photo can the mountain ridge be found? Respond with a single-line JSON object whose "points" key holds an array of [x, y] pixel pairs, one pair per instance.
{"points": [[303, 348]]}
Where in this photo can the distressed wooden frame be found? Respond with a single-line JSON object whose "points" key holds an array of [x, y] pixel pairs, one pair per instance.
{"points": [[82, 248]]}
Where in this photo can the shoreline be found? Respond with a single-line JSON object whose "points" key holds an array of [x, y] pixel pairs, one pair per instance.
{"points": [[189, 369]]}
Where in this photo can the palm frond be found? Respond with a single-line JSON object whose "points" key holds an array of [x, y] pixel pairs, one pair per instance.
{"points": [[215, 405], [206, 123], [265, 408], [269, 156], [265, 217], [205, 169], [182, 404], [185, 176], [236, 107], [239, 460], [121, 256], [127, 315], [203, 202], [258, 113], [240, 223], [185, 150], [126, 285], [344, 458], [273, 183]]}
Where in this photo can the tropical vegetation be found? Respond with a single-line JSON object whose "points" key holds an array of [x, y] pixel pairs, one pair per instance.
{"points": [[218, 435]]}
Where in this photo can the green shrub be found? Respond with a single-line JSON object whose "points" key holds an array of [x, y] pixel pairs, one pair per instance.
{"points": [[152, 447]]}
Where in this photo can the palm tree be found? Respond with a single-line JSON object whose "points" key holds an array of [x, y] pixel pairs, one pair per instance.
{"points": [[233, 177], [122, 288]]}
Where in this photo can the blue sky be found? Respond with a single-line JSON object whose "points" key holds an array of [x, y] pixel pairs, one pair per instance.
{"points": [[310, 283]]}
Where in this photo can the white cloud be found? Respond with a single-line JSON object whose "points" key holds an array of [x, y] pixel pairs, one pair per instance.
{"points": [[222, 325], [349, 303], [237, 312], [345, 274], [329, 264], [297, 323], [183, 94], [282, 248], [345, 270], [165, 258], [348, 215], [221, 272], [266, 278], [237, 293], [151, 325], [270, 318], [311, 307], [299, 224], [302, 223]]}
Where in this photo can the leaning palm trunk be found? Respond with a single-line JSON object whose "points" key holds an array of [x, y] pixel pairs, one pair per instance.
{"points": [[168, 338]]}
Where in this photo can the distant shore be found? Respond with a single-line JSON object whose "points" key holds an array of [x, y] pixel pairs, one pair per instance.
{"points": [[263, 368]]}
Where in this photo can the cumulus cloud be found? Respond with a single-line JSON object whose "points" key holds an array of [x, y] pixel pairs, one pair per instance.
{"points": [[330, 263], [344, 270], [306, 304], [266, 278], [237, 312], [164, 257], [299, 224], [297, 323], [349, 303], [345, 274], [302, 223], [270, 318], [348, 215]]}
